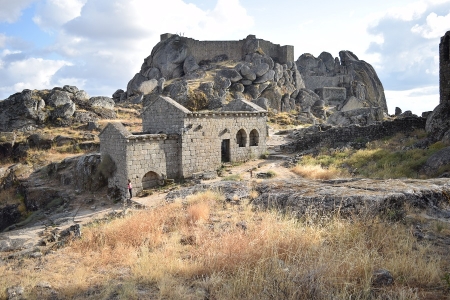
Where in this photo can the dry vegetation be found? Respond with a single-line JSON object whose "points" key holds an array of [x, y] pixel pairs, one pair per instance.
{"points": [[392, 157], [206, 248]]}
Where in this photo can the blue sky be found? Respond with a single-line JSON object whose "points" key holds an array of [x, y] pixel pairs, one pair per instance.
{"points": [[98, 45]]}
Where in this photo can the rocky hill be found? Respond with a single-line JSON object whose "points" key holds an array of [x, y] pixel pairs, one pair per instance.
{"points": [[315, 88]]}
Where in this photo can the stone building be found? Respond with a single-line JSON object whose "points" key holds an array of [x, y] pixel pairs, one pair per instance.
{"points": [[444, 69], [177, 143]]}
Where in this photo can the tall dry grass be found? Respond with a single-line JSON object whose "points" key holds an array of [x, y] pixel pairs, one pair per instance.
{"points": [[272, 257], [317, 172]]}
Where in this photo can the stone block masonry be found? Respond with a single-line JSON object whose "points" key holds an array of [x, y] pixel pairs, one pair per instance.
{"points": [[444, 69], [234, 50]]}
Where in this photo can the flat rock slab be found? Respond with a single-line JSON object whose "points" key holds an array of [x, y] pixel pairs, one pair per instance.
{"points": [[355, 195]]}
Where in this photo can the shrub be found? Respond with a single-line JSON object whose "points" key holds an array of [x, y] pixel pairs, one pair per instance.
{"points": [[316, 172], [197, 100]]}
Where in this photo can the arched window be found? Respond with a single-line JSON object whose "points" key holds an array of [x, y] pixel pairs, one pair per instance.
{"points": [[150, 180], [241, 138], [254, 138]]}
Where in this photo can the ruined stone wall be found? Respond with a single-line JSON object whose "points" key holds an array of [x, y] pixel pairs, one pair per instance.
{"points": [[332, 95], [444, 68], [339, 136], [204, 50], [315, 82], [202, 140]]}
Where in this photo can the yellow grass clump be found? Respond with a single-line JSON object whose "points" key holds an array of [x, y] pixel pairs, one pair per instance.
{"points": [[316, 172]]}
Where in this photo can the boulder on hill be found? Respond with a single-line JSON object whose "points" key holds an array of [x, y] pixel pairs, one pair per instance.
{"points": [[251, 77], [357, 77], [29, 109]]}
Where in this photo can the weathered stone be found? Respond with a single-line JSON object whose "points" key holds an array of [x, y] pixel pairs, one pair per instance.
{"points": [[261, 69], [147, 87], [71, 89], [221, 83], [64, 111], [102, 102], [436, 161], [237, 87], [81, 96], [438, 123], [266, 77], [59, 98], [134, 84], [362, 117], [247, 73], [190, 65], [262, 102], [231, 74]]}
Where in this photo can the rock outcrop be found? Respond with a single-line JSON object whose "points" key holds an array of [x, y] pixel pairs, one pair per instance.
{"points": [[344, 84], [29, 109], [256, 75]]}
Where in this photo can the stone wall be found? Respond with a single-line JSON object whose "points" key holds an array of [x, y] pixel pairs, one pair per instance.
{"points": [[164, 116], [315, 82], [444, 69], [204, 50], [113, 142], [202, 140], [332, 95], [157, 153], [338, 136]]}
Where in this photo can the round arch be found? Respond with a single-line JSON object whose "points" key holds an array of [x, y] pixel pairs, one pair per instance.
{"points": [[254, 137], [241, 138]]}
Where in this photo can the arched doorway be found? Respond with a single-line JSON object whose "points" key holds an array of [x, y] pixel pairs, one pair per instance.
{"points": [[241, 138], [150, 180], [254, 138]]}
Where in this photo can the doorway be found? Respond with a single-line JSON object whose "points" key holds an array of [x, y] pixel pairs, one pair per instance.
{"points": [[225, 150]]}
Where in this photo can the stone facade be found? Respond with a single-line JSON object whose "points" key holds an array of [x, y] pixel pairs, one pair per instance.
{"points": [[444, 69], [177, 143], [235, 50]]}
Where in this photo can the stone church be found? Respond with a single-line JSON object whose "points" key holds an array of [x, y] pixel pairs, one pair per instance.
{"points": [[177, 143]]}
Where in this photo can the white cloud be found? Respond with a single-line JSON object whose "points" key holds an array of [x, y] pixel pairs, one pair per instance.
{"points": [[417, 100], [31, 73], [435, 27], [11, 9], [110, 39], [51, 14]]}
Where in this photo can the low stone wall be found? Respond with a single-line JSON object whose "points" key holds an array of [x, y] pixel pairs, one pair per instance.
{"points": [[337, 136]]}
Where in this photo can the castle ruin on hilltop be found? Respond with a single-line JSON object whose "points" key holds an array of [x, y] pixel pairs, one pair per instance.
{"points": [[178, 143], [235, 50]]}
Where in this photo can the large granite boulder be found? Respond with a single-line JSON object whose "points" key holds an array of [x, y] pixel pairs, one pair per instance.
{"points": [[22, 111], [438, 122], [436, 162], [356, 76], [362, 117], [102, 102]]}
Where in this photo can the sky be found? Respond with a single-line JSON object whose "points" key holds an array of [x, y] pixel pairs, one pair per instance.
{"points": [[98, 45]]}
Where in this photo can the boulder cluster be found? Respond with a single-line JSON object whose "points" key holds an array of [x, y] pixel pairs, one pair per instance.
{"points": [[62, 106], [313, 87]]}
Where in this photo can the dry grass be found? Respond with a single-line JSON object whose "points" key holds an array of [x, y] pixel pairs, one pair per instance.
{"points": [[317, 172], [169, 254]]}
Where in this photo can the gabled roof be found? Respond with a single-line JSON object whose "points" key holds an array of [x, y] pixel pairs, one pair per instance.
{"points": [[169, 101], [116, 126], [242, 105]]}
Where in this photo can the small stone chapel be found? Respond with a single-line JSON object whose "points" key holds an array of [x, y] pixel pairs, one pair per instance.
{"points": [[177, 143]]}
